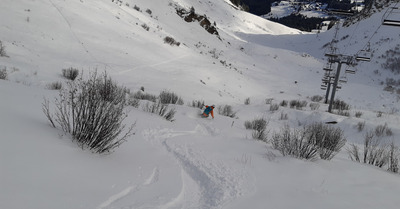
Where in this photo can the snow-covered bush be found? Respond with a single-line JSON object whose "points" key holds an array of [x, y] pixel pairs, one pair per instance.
{"points": [[197, 104], [226, 110], [3, 50], [3, 74], [394, 156], [167, 97], [145, 26], [340, 105], [360, 126], [284, 103], [171, 41], [375, 153], [247, 101], [392, 61], [144, 96], [132, 101], [317, 98], [268, 100], [328, 139], [293, 143], [70, 73], [358, 114], [383, 130], [274, 107], [160, 109], [314, 106], [57, 85], [297, 104], [259, 127], [92, 112], [284, 116], [309, 141], [137, 8]]}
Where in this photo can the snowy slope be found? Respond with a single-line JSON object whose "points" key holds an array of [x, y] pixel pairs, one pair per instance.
{"points": [[191, 162]]}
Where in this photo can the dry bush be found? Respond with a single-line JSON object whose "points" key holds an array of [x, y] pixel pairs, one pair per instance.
{"points": [[3, 74], [167, 97], [259, 127], [144, 96], [171, 41], [197, 103], [70, 73], [92, 112], [226, 110], [310, 141], [3, 50], [160, 109]]}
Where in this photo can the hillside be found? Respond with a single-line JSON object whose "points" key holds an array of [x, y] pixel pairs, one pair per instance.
{"points": [[191, 162]]}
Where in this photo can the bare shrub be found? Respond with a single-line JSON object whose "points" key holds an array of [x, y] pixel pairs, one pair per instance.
{"points": [[226, 110], [197, 103], [273, 107], [90, 115], [314, 106], [137, 8], [358, 114], [294, 143], [259, 127], [297, 104], [268, 100], [383, 130], [3, 50], [284, 103], [328, 139], [317, 98], [148, 11], [70, 73], [145, 26], [167, 97], [57, 85], [247, 101], [284, 116], [340, 105], [171, 41], [160, 109], [354, 153], [360, 126], [3, 74], [132, 101], [394, 155], [342, 113], [373, 152], [309, 141], [144, 96]]}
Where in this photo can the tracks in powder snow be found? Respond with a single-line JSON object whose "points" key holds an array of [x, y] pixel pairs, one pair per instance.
{"points": [[206, 183], [153, 178]]}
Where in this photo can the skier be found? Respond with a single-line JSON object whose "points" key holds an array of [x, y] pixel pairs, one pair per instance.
{"points": [[208, 110]]}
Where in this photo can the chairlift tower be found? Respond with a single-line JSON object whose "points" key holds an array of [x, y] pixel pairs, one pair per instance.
{"points": [[339, 59], [332, 78]]}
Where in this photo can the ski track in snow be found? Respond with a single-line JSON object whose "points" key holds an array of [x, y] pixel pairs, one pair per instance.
{"points": [[153, 178], [205, 182]]}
